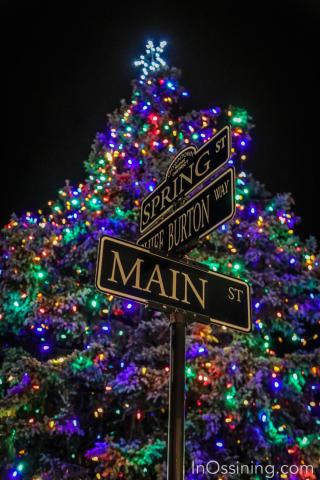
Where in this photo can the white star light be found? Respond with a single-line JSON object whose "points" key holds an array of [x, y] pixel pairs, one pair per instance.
{"points": [[151, 61]]}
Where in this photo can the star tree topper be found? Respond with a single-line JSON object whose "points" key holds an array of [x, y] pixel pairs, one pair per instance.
{"points": [[151, 61]]}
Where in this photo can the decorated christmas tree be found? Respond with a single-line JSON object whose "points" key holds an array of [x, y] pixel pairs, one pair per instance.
{"points": [[84, 376]]}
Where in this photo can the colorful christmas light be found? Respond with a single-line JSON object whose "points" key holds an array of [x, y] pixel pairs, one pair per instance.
{"points": [[84, 377]]}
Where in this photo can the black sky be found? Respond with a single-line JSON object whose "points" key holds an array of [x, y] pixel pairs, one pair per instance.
{"points": [[67, 65]]}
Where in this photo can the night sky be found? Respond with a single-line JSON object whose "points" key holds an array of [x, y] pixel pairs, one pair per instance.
{"points": [[68, 65]]}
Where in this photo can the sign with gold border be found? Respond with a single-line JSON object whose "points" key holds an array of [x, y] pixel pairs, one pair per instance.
{"points": [[165, 283], [182, 229], [189, 169]]}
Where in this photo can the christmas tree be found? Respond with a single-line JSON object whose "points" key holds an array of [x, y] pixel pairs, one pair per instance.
{"points": [[84, 376]]}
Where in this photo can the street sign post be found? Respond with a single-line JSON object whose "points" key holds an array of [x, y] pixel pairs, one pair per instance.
{"points": [[209, 208], [190, 168], [175, 456], [186, 290], [130, 271]]}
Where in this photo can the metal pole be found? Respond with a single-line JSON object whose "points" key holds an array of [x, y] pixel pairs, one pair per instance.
{"points": [[176, 397]]}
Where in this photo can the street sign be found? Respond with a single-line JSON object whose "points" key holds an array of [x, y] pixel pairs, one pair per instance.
{"points": [[209, 208], [190, 168], [133, 272], [186, 290]]}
